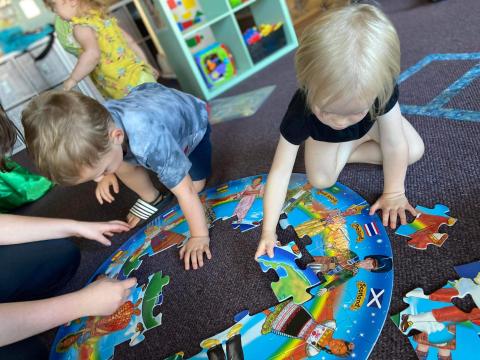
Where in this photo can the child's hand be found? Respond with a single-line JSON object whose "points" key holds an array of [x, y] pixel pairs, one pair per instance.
{"points": [[69, 84], [104, 296], [193, 251], [393, 206], [266, 245], [97, 230], [102, 192]]}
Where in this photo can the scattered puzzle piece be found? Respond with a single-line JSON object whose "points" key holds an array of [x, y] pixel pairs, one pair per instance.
{"points": [[293, 282], [435, 326], [423, 231], [97, 336], [470, 270]]}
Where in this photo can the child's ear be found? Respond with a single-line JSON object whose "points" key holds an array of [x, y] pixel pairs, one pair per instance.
{"points": [[117, 135]]}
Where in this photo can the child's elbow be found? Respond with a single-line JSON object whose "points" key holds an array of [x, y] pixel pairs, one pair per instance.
{"points": [[94, 56]]}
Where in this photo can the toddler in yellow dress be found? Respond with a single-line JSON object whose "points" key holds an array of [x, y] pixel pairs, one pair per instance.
{"points": [[105, 52]]}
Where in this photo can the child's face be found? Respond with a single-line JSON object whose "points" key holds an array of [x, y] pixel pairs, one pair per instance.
{"points": [[256, 181], [66, 9], [342, 113], [109, 162]]}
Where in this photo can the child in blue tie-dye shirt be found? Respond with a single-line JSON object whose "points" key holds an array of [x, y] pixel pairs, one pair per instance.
{"points": [[75, 139]]}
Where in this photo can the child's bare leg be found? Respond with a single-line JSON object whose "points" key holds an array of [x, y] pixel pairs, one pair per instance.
{"points": [[199, 185], [370, 152], [324, 161], [137, 179]]}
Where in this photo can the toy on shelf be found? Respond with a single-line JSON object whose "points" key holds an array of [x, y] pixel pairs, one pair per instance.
{"points": [[186, 13], [216, 64], [264, 40]]}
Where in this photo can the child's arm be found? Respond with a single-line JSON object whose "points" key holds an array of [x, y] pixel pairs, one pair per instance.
{"points": [[21, 320], [139, 52], [275, 191], [88, 59], [22, 229], [394, 146], [192, 209]]}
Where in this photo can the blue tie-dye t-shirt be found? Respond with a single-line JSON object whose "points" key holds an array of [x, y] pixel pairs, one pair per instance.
{"points": [[162, 127]]}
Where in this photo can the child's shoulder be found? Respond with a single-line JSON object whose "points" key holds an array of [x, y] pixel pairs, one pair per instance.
{"points": [[93, 17]]}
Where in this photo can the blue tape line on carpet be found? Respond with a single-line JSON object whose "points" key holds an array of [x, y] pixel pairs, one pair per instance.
{"points": [[435, 107]]}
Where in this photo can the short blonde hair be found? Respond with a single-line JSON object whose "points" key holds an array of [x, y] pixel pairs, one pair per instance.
{"points": [[349, 49], [66, 131], [86, 5]]}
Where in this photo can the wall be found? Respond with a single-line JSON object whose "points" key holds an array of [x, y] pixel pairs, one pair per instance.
{"points": [[45, 16]]}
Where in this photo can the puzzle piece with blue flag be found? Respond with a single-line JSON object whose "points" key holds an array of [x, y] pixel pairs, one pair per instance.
{"points": [[424, 230]]}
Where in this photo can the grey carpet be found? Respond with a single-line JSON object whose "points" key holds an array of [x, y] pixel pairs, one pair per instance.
{"points": [[232, 282]]}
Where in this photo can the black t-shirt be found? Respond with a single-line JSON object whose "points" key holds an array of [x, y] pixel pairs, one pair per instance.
{"points": [[299, 123]]}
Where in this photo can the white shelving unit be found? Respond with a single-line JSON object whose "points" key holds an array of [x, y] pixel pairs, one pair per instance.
{"points": [[22, 77]]}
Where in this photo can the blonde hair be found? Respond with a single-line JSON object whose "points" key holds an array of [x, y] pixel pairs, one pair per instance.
{"points": [[349, 49], [66, 131], [86, 5]]}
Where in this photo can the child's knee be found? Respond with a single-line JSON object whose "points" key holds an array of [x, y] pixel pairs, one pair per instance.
{"points": [[321, 181], [416, 151], [199, 185]]}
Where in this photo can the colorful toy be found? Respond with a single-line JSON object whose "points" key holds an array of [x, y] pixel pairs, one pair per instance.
{"points": [[335, 304], [254, 35], [264, 40], [216, 64], [423, 231], [186, 13], [438, 329]]}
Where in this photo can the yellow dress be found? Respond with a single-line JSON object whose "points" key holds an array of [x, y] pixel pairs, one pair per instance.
{"points": [[119, 69]]}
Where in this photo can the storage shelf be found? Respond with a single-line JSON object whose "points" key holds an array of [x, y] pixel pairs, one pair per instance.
{"points": [[243, 5], [220, 25], [196, 28]]}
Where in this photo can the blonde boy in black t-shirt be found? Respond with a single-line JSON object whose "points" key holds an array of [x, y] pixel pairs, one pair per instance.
{"points": [[346, 111]]}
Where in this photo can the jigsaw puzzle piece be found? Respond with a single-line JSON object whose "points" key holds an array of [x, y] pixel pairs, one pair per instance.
{"points": [[99, 335], [241, 199], [470, 270], [293, 282], [424, 230], [157, 240], [284, 331], [435, 326]]}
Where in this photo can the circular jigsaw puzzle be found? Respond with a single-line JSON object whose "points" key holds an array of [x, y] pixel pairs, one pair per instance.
{"points": [[333, 289]]}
